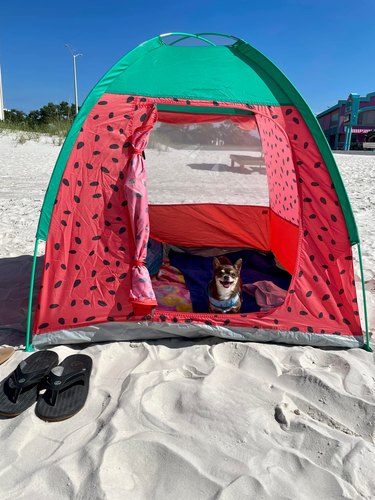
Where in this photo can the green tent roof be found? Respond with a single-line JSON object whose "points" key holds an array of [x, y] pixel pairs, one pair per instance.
{"points": [[198, 72]]}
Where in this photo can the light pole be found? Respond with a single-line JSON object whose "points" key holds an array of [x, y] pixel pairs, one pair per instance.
{"points": [[1, 99], [74, 56]]}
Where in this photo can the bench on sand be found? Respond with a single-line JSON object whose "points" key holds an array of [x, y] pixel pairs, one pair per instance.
{"points": [[243, 160]]}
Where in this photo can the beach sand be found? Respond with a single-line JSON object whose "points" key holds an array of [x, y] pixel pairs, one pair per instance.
{"points": [[208, 419]]}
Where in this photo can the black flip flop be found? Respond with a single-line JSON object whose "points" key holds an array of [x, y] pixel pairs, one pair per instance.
{"points": [[20, 389], [67, 386]]}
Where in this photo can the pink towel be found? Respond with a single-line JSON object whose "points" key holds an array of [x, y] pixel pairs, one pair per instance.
{"points": [[267, 294]]}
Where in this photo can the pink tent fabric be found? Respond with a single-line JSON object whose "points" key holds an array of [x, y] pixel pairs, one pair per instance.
{"points": [[141, 292], [267, 294], [96, 245]]}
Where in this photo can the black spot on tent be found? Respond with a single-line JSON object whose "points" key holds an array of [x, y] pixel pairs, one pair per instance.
{"points": [[80, 145], [76, 283]]}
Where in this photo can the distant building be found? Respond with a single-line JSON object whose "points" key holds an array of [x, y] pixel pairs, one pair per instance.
{"points": [[350, 124]]}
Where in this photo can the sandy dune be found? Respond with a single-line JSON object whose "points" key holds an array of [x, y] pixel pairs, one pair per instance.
{"points": [[179, 419]]}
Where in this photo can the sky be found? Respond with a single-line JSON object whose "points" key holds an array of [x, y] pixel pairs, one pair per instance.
{"points": [[324, 47]]}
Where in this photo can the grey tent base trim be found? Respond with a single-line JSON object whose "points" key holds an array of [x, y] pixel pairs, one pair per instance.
{"points": [[119, 331]]}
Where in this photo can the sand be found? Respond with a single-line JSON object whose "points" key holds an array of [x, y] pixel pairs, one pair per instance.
{"points": [[208, 419]]}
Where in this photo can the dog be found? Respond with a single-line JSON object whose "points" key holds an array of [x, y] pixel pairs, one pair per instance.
{"points": [[224, 290]]}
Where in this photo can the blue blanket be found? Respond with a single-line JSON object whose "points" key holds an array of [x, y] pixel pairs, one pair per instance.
{"points": [[198, 272]]}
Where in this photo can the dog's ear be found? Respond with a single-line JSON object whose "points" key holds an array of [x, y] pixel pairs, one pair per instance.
{"points": [[238, 265], [216, 262]]}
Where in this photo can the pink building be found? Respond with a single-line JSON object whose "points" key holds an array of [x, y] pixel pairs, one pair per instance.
{"points": [[350, 124]]}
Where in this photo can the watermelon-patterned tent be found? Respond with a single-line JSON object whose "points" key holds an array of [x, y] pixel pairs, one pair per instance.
{"points": [[96, 219]]}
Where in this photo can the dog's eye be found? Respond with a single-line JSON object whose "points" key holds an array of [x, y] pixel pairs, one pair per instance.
{"points": [[222, 271]]}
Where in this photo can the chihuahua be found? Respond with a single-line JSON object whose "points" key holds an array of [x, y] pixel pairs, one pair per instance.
{"points": [[224, 290]]}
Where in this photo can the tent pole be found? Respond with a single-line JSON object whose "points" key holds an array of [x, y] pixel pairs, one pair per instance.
{"points": [[29, 347], [366, 346]]}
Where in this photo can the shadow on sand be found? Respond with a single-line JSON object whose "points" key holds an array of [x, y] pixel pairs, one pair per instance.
{"points": [[222, 167], [15, 273]]}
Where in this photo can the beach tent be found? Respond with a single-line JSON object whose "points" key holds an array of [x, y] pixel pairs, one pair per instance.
{"points": [[96, 219]]}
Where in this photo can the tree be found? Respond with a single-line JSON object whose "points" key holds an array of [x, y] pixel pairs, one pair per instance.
{"points": [[14, 116]]}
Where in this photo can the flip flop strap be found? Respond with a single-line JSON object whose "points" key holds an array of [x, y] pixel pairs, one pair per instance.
{"points": [[18, 380], [56, 383]]}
